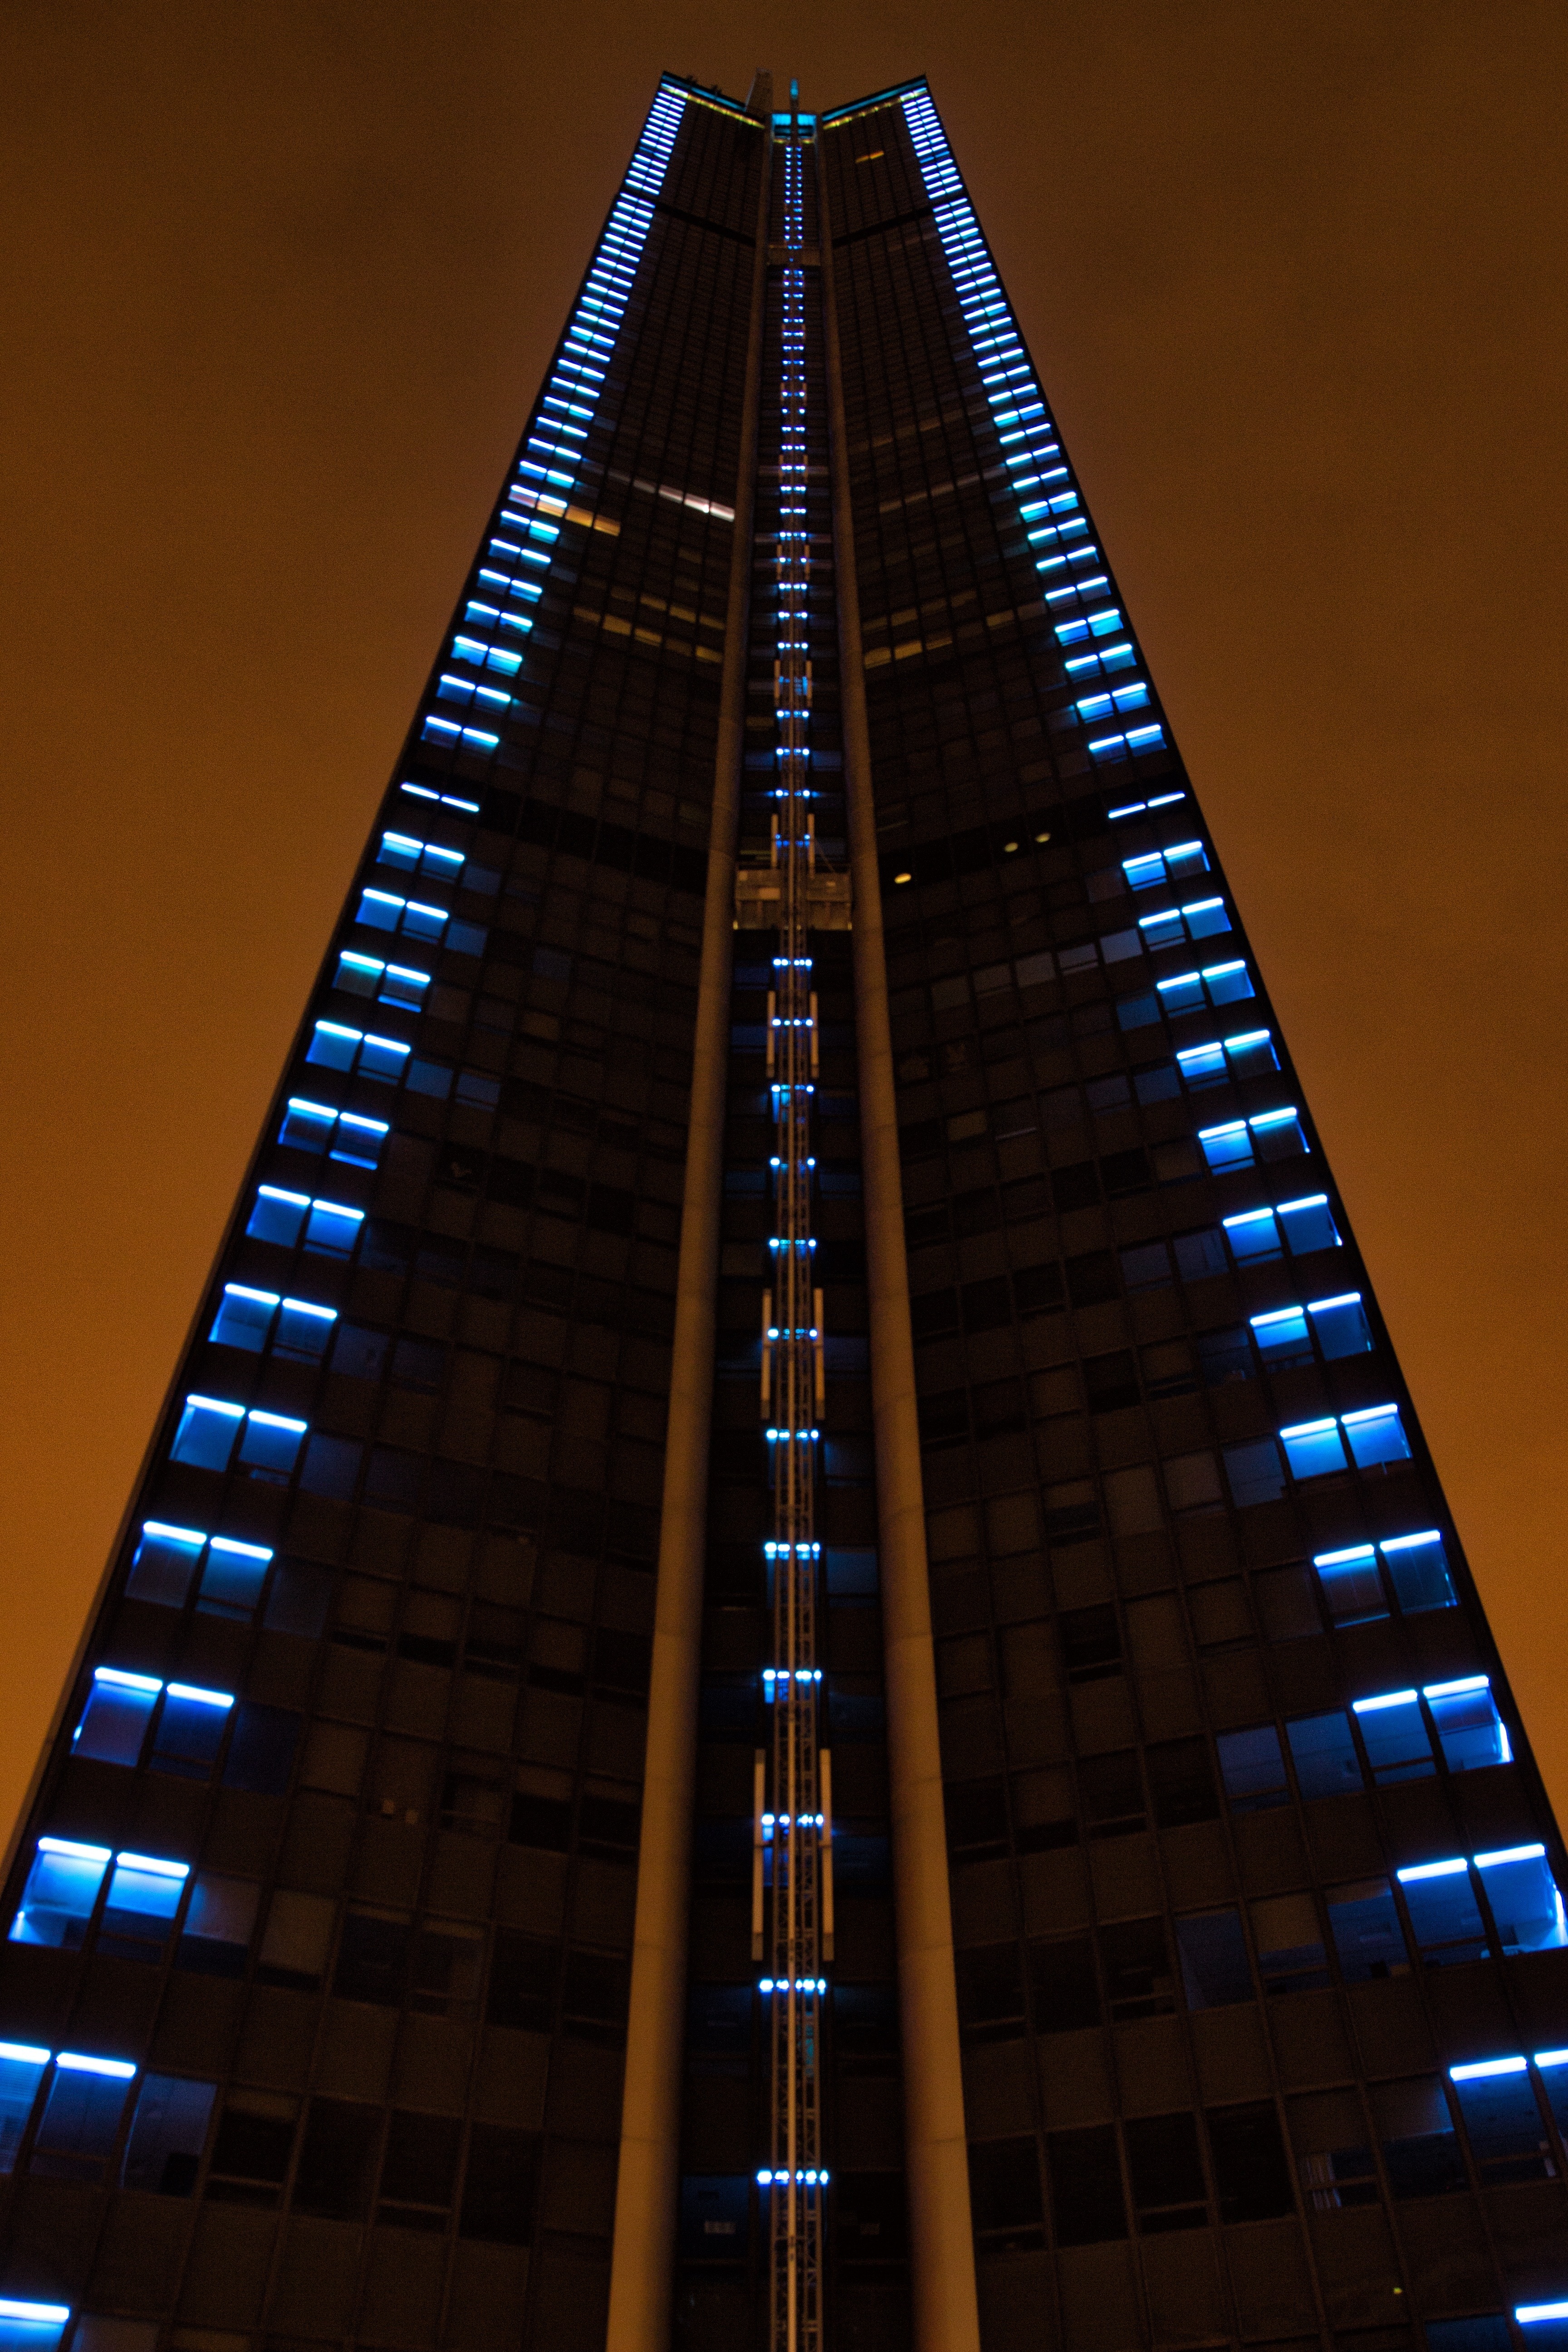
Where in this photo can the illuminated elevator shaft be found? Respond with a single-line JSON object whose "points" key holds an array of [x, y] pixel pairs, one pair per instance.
{"points": [[793, 1928]]}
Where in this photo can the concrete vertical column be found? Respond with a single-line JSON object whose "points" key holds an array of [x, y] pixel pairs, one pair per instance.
{"points": [[643, 2257], [941, 2242]]}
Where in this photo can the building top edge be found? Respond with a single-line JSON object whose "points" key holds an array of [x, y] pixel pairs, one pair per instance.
{"points": [[707, 94]]}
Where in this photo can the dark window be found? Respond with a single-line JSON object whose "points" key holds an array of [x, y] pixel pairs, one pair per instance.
{"points": [[934, 1314], [1005, 2183], [606, 1826], [999, 1409], [1253, 1766], [1420, 2145], [448, 1957], [1092, 1279], [1182, 1782], [1223, 1356], [1215, 1969], [1138, 1972], [372, 1957], [253, 2141], [522, 1982], [596, 1989], [499, 2186], [541, 1821], [1126, 1171], [1112, 1794], [990, 1987], [1167, 1367], [337, 2160], [420, 2167], [1167, 2173], [1077, 1187], [1252, 2177], [261, 1752], [1092, 1644], [945, 1417], [1038, 1289], [1063, 1988], [987, 1306], [1111, 1381], [1086, 2187], [976, 1816]]}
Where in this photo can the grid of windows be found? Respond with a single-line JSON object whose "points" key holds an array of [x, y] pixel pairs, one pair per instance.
{"points": [[1231, 1808], [324, 1915], [316, 1952]]}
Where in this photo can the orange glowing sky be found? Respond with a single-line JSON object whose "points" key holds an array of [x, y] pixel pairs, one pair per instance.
{"points": [[281, 282]]}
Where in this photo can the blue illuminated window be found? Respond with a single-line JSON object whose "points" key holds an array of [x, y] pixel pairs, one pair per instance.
{"points": [[1445, 1915], [410, 855], [342, 1135], [1250, 1055], [209, 1428], [1314, 1448], [81, 2116], [1324, 1755], [166, 1562], [31, 2326], [1497, 2099], [113, 1726], [1418, 1568], [1202, 919], [1296, 1225], [1160, 865], [191, 1726], [270, 1444], [1282, 1337], [60, 1893], [381, 910], [334, 1047], [483, 657], [303, 1330], [1103, 624], [1415, 1567], [206, 1433], [385, 983], [1393, 1732], [1339, 1325], [144, 1895], [245, 1317], [232, 1578], [1471, 1732], [1375, 1436], [1525, 1898], [328, 1228], [1271, 1135], [331, 1230], [21, 2071]]}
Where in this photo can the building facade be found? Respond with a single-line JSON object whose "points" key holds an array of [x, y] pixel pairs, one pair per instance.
{"points": [[788, 1671]]}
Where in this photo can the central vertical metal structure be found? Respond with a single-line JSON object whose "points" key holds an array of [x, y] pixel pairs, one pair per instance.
{"points": [[792, 1888]]}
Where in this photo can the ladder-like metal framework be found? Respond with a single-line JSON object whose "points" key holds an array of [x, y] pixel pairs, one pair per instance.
{"points": [[792, 1920]]}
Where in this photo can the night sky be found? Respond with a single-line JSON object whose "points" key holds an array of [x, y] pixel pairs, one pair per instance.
{"points": [[281, 282]]}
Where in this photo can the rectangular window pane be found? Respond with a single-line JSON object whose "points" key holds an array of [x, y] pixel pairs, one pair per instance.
{"points": [[1365, 1929], [168, 2133]]}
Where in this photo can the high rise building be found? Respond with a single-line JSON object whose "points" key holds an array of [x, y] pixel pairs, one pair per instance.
{"points": [[788, 1672]]}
